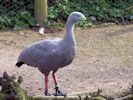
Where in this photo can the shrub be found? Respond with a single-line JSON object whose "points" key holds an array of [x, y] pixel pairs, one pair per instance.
{"points": [[16, 14], [103, 10]]}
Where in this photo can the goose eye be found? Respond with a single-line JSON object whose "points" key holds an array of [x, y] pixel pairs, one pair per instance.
{"points": [[78, 16]]}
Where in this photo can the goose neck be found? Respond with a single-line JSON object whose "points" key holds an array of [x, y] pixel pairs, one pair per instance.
{"points": [[69, 27], [69, 37]]}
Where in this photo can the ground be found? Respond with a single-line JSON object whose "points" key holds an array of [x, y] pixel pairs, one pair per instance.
{"points": [[104, 60]]}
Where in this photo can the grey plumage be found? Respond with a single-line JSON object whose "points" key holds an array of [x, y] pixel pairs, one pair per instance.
{"points": [[50, 55]]}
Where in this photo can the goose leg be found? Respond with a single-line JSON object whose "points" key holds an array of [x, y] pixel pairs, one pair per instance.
{"points": [[57, 91], [46, 86]]}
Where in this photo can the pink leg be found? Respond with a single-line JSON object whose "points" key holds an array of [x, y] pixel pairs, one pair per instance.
{"points": [[57, 91], [46, 86], [46, 83], [54, 78]]}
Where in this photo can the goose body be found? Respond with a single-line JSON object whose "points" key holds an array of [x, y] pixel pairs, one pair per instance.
{"points": [[50, 55]]}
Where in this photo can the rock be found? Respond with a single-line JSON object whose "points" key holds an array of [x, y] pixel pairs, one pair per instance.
{"points": [[41, 31], [22, 33], [131, 18], [93, 18]]}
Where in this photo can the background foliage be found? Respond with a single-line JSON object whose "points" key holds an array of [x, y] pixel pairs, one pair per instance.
{"points": [[18, 14], [103, 10]]}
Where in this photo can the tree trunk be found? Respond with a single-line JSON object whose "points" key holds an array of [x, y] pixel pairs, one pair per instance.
{"points": [[40, 12]]}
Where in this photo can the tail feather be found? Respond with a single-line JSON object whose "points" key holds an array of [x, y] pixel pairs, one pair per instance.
{"points": [[18, 64]]}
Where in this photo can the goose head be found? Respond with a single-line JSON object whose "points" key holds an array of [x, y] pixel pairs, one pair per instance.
{"points": [[76, 16]]}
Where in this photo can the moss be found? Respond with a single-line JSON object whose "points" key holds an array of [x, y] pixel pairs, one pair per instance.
{"points": [[2, 96], [20, 93], [11, 89]]}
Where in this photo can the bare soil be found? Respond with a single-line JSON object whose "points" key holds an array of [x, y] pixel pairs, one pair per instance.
{"points": [[104, 60]]}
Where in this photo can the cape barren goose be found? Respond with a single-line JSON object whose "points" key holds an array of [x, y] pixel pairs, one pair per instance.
{"points": [[50, 55]]}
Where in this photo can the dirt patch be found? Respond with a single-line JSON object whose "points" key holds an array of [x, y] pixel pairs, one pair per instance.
{"points": [[104, 60]]}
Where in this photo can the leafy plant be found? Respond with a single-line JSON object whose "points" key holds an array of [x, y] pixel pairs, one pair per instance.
{"points": [[103, 10], [16, 14], [85, 24], [4, 22], [22, 19]]}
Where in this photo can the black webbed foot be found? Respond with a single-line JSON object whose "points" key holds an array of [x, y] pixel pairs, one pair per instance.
{"points": [[58, 92], [47, 94]]}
